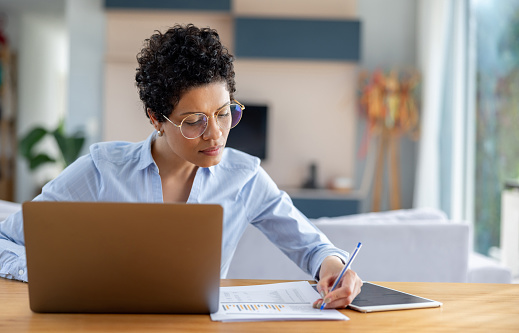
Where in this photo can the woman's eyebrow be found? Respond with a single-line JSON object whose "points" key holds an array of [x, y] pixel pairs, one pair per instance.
{"points": [[193, 112], [221, 107]]}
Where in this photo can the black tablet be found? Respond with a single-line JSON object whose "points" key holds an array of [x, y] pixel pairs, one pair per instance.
{"points": [[378, 298]]}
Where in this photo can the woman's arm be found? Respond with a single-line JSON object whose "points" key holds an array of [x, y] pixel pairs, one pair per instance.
{"points": [[273, 212]]}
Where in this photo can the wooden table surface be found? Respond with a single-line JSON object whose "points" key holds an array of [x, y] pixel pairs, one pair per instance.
{"points": [[466, 307]]}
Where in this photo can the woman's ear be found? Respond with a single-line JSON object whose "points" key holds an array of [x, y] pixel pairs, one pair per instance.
{"points": [[156, 124], [153, 120]]}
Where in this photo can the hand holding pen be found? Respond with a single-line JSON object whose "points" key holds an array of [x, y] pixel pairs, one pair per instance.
{"points": [[346, 285]]}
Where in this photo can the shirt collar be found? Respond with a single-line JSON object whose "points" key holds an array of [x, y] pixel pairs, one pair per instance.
{"points": [[145, 157], [211, 169]]}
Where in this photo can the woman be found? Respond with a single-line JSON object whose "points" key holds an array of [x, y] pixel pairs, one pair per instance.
{"points": [[186, 82]]}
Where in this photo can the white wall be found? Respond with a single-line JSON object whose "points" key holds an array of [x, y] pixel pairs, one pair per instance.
{"points": [[324, 9], [42, 76], [85, 21], [388, 33], [312, 116]]}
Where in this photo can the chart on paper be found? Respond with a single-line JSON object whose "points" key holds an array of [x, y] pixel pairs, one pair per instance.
{"points": [[248, 307], [280, 301], [271, 301], [259, 308]]}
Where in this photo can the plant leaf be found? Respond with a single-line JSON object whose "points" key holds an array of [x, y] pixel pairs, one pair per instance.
{"points": [[75, 145], [39, 159], [69, 146], [61, 127], [28, 142]]}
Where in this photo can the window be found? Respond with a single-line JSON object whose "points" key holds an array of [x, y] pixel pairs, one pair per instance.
{"points": [[497, 118]]}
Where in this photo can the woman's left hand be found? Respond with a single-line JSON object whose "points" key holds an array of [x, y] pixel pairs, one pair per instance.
{"points": [[347, 289]]}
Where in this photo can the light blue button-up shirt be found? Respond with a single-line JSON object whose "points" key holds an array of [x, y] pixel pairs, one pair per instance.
{"points": [[126, 172]]}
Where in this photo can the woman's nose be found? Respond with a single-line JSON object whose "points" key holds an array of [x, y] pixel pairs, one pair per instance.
{"points": [[213, 130]]}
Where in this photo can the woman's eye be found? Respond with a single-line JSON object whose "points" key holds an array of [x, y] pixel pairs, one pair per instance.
{"points": [[194, 120], [192, 123]]}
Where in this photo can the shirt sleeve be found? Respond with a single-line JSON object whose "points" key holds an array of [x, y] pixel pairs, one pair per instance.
{"points": [[78, 182], [12, 250], [272, 211]]}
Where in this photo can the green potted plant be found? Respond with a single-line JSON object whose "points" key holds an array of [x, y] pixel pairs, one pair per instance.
{"points": [[69, 146]]}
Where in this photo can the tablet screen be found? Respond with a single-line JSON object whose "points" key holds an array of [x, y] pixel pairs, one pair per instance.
{"points": [[377, 298]]}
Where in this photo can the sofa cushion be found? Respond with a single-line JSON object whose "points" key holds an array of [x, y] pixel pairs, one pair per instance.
{"points": [[7, 208], [392, 251], [483, 269], [420, 251], [392, 216]]}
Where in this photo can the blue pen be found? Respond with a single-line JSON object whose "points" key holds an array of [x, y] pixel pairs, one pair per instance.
{"points": [[344, 270]]}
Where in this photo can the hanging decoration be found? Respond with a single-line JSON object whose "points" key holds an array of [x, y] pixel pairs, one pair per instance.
{"points": [[388, 103]]}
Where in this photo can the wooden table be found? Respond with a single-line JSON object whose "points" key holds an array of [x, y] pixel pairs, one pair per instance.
{"points": [[466, 307]]}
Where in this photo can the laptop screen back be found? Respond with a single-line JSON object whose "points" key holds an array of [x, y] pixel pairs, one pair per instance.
{"points": [[123, 257]]}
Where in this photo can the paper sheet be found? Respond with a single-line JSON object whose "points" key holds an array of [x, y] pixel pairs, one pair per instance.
{"points": [[279, 301]]}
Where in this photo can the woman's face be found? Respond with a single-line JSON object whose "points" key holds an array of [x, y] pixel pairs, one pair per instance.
{"points": [[207, 149]]}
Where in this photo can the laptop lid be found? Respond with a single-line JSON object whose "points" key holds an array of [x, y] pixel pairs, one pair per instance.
{"points": [[104, 257]]}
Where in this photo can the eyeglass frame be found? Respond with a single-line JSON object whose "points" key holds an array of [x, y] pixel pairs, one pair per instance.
{"points": [[207, 124]]}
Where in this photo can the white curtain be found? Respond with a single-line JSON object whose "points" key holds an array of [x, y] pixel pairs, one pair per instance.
{"points": [[444, 171]]}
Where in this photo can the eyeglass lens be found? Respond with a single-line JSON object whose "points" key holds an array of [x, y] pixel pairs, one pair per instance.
{"points": [[195, 125]]}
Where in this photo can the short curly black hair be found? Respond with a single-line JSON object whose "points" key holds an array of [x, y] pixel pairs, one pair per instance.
{"points": [[183, 57]]}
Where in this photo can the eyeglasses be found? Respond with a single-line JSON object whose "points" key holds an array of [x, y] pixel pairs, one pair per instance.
{"points": [[194, 125]]}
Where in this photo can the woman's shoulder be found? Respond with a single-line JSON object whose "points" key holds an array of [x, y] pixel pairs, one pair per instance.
{"points": [[117, 152]]}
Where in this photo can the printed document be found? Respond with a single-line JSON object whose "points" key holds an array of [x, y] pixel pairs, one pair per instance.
{"points": [[278, 301]]}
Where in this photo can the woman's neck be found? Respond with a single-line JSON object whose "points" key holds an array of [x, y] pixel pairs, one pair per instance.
{"points": [[177, 175]]}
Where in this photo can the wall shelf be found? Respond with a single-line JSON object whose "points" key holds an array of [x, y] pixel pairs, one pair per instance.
{"points": [[316, 203]]}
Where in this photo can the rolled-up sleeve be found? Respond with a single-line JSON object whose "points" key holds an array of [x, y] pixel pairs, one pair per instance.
{"points": [[13, 264]]}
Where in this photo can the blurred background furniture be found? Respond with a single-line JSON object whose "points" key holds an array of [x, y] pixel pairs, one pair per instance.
{"points": [[7, 208], [417, 245]]}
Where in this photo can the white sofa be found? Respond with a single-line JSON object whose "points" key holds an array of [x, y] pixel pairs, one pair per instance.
{"points": [[405, 245], [7, 208]]}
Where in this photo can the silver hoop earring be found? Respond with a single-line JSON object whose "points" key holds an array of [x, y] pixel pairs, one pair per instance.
{"points": [[159, 133]]}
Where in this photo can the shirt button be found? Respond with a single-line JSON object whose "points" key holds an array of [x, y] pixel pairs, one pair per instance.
{"points": [[20, 272]]}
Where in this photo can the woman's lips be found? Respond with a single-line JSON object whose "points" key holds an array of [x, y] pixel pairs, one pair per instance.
{"points": [[212, 151]]}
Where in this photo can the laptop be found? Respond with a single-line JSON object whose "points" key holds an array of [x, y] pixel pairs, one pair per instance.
{"points": [[105, 257]]}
